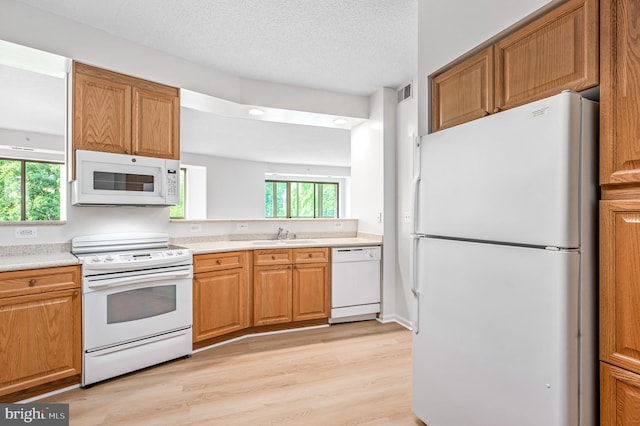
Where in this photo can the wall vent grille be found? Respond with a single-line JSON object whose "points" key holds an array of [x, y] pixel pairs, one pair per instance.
{"points": [[405, 92]]}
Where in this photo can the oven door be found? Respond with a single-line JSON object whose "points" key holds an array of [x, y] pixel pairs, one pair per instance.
{"points": [[126, 308]]}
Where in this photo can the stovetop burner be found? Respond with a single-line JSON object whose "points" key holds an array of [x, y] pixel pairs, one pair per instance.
{"points": [[118, 252]]}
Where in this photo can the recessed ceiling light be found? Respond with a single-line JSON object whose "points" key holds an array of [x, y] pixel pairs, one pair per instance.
{"points": [[256, 111], [340, 121]]}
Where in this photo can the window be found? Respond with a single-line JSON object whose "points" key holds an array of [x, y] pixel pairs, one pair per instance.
{"points": [[177, 212], [300, 199], [30, 190]]}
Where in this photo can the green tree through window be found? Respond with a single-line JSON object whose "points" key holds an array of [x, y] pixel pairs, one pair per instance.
{"points": [[294, 199], [30, 190]]}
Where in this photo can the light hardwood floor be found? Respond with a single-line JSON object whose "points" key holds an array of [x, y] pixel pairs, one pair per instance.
{"points": [[346, 374]]}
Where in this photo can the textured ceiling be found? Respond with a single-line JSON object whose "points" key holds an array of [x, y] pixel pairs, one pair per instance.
{"points": [[349, 46]]}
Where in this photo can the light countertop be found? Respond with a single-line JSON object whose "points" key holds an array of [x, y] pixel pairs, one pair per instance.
{"points": [[35, 261], [224, 246]]}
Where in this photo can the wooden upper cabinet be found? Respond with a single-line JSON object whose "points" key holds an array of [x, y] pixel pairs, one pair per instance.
{"points": [[117, 113], [464, 92], [620, 92], [156, 123], [620, 283], [102, 113], [556, 52]]}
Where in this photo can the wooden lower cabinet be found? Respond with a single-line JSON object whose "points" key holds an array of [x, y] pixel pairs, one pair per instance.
{"points": [[291, 285], [619, 396], [620, 283], [311, 298], [218, 303], [237, 293], [221, 297], [272, 294], [40, 329]]}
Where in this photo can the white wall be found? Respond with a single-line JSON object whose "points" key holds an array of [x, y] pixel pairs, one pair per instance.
{"points": [[367, 169], [373, 185], [49, 147], [406, 131], [235, 188]]}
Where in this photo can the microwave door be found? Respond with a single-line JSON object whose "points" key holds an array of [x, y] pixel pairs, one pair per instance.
{"points": [[116, 179]]}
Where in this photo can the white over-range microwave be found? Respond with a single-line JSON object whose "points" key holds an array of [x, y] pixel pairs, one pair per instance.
{"points": [[104, 178]]}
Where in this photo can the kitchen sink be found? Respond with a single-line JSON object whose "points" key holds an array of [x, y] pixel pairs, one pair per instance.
{"points": [[296, 241], [281, 242]]}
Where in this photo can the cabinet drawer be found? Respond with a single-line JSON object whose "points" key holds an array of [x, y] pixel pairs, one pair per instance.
{"points": [[311, 255], [272, 257], [18, 283], [218, 261]]}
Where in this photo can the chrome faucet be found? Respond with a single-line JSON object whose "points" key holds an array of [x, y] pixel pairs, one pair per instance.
{"points": [[279, 234]]}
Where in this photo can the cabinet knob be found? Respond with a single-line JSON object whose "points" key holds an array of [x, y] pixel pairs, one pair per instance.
{"points": [[486, 113], [218, 262], [273, 258], [32, 282], [310, 255], [75, 293], [497, 109]]}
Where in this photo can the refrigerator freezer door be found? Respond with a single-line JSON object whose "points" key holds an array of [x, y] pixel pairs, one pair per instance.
{"points": [[498, 341], [510, 177]]}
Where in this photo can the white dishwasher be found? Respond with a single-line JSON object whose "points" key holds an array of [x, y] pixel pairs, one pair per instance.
{"points": [[355, 283]]}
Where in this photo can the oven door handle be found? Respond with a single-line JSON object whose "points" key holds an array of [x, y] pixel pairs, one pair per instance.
{"points": [[120, 281]]}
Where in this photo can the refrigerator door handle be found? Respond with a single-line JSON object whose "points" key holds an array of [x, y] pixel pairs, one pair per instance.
{"points": [[415, 238], [415, 183]]}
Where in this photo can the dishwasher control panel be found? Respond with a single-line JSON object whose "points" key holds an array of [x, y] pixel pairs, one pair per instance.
{"points": [[355, 254]]}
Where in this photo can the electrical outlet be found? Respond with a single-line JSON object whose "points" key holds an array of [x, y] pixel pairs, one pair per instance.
{"points": [[195, 227], [407, 217], [337, 225], [27, 232], [242, 226]]}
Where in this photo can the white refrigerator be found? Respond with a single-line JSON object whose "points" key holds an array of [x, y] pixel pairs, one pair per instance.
{"points": [[504, 268]]}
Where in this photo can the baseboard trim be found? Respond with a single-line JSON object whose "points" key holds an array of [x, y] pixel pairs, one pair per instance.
{"points": [[397, 319]]}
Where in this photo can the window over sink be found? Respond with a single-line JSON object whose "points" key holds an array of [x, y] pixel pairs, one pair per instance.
{"points": [[300, 199]]}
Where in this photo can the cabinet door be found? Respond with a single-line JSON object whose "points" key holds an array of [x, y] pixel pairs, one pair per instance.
{"points": [[102, 112], [311, 291], [272, 294], [619, 397], [218, 303], [620, 92], [556, 52], [39, 338], [155, 122], [463, 92], [620, 283]]}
